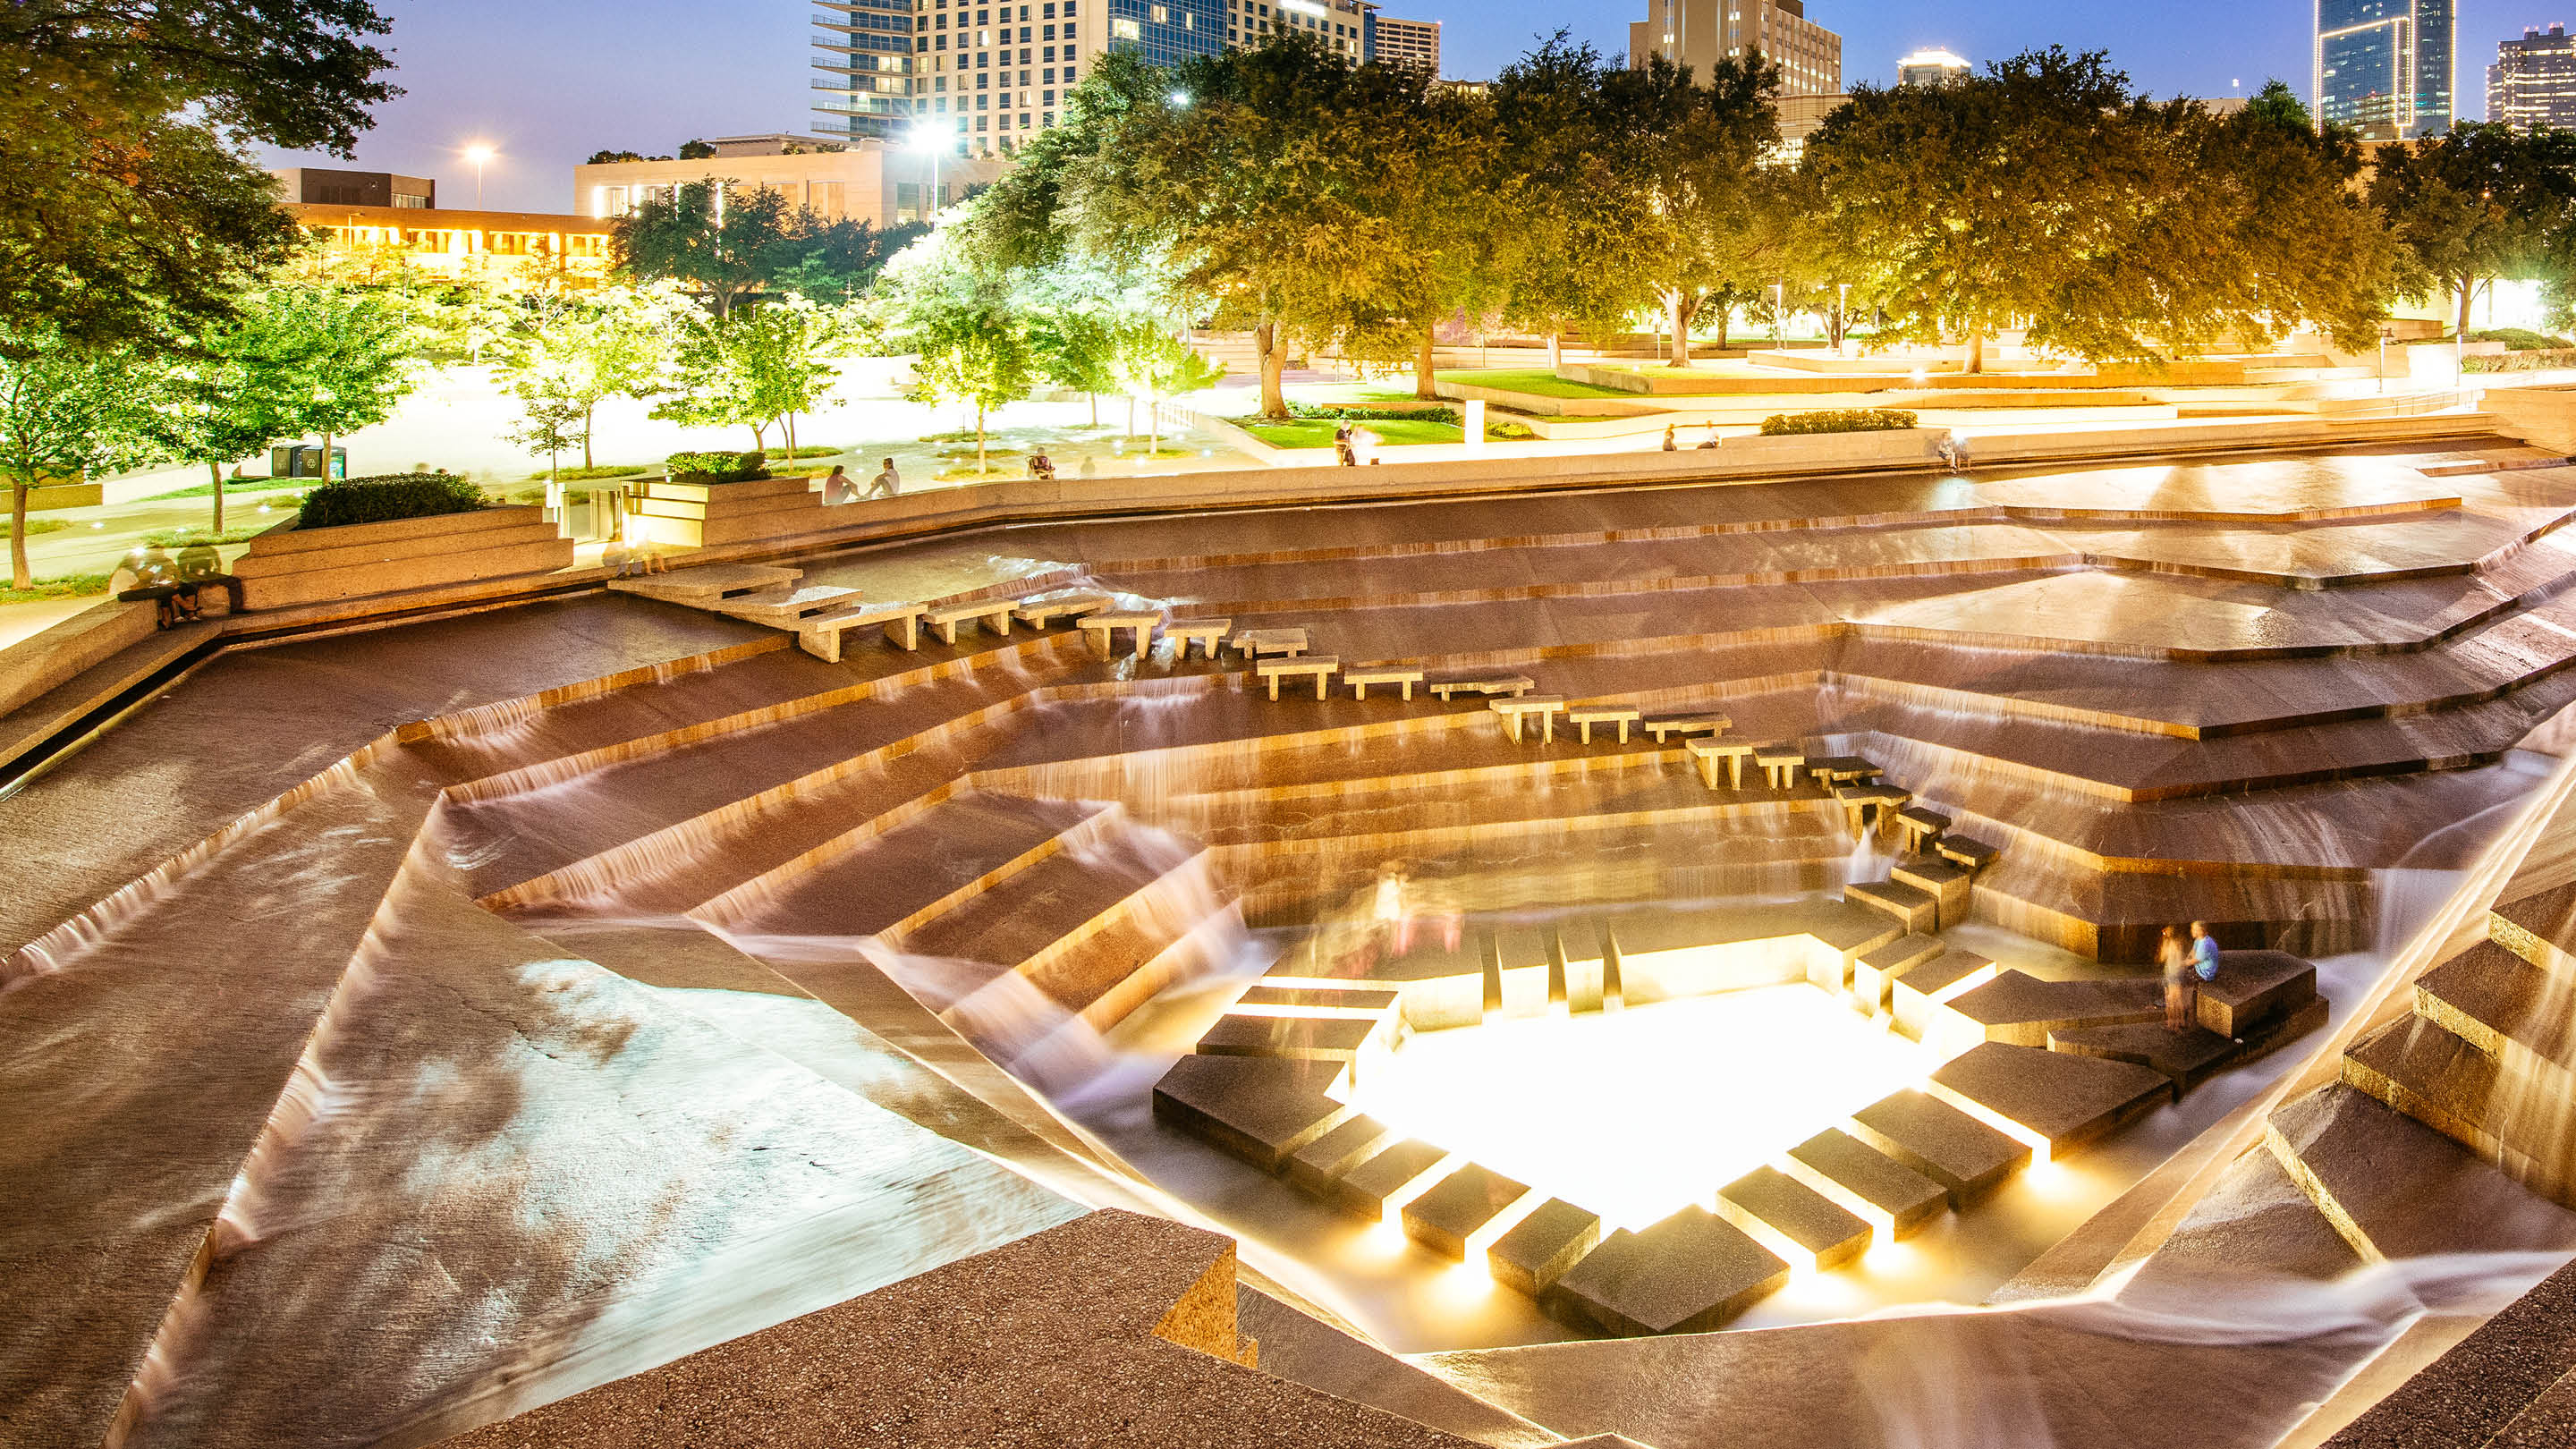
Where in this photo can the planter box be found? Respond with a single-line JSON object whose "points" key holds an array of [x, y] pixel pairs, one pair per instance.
{"points": [[288, 566], [701, 515]]}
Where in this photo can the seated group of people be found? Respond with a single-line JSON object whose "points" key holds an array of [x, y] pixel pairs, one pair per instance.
{"points": [[171, 584]]}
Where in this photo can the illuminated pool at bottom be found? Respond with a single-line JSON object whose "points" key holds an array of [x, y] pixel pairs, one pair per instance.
{"points": [[1636, 1113]]}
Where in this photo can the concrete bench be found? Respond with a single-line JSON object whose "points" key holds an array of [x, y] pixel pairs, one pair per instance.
{"points": [[1321, 666], [1868, 807], [1707, 754], [1976, 855], [1107, 625], [1209, 632], [1500, 685], [1546, 706], [1039, 613], [1920, 827], [1256, 643], [1685, 724], [1780, 765], [701, 585], [788, 605], [995, 615], [1584, 717], [1360, 679], [1843, 770], [821, 637]]}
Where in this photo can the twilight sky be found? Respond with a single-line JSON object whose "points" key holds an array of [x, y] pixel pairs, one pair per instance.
{"points": [[547, 82]]}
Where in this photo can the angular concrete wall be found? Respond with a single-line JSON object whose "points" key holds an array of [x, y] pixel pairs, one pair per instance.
{"points": [[290, 566]]}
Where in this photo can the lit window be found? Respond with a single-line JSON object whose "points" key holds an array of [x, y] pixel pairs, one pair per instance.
{"points": [[1123, 28]]}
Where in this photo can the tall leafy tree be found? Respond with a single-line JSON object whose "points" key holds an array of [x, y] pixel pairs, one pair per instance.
{"points": [[727, 241], [1692, 154], [66, 406], [128, 207], [358, 352], [615, 345], [2480, 203], [1568, 225], [234, 388], [756, 368]]}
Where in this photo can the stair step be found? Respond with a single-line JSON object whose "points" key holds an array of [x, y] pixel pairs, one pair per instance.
{"points": [[1260, 1110], [2186, 1058], [1792, 1219], [2415, 1066], [1965, 1156], [1942, 880], [2019, 1009], [2395, 1189], [1917, 998], [2500, 1003], [785, 607], [2055, 1101], [1689, 1273], [1913, 909], [2540, 928], [920, 869], [1895, 1198], [1880, 967], [703, 584], [1471, 1203]]}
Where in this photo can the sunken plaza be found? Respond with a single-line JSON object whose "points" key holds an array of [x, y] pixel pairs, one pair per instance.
{"points": [[1653, 950]]}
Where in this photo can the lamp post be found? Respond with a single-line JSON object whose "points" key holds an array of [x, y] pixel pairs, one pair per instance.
{"points": [[1779, 297], [930, 139], [478, 153], [1842, 318]]}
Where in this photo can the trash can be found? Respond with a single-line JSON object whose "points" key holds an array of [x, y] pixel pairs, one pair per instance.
{"points": [[304, 460]]}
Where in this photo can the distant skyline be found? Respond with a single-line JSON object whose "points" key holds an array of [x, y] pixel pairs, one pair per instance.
{"points": [[547, 84]]}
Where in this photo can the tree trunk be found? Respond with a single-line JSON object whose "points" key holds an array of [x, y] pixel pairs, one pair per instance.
{"points": [[586, 463], [216, 472], [326, 457], [1274, 368], [2468, 298], [19, 575], [1131, 415], [1095, 407], [1976, 349], [1677, 319], [1422, 387], [979, 441], [1725, 325], [789, 423], [1555, 348]]}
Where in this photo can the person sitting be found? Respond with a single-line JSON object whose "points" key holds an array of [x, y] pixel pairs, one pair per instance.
{"points": [[1669, 445], [155, 578], [886, 484], [837, 488], [201, 564], [1041, 466]]}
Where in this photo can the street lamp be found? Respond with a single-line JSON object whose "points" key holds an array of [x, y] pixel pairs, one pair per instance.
{"points": [[1779, 296], [930, 139], [1180, 100], [478, 153], [1842, 318]]}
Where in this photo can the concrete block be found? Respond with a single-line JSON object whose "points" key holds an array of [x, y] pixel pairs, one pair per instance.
{"points": [[1951, 884], [1867, 1182], [1304, 1038], [1389, 1175], [1465, 1202], [1792, 1219], [1916, 998], [1541, 1247], [1319, 1164], [2185, 1058], [1879, 968], [1689, 1273], [1258, 1109], [2252, 987], [1912, 909], [2019, 1009], [2059, 1099], [1967, 1157]]}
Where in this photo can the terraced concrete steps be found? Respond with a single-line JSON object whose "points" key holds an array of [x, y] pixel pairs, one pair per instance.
{"points": [[1965, 1156], [1867, 1182], [2055, 1101], [2394, 1188], [1793, 1220], [920, 868], [1688, 1273], [2506, 1007]]}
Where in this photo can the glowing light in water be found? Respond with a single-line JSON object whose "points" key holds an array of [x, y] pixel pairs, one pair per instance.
{"points": [[1635, 1114]]}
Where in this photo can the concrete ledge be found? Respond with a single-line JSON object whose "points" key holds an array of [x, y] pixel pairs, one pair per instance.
{"points": [[2055, 1100], [46, 660], [1538, 1251], [1687, 1274], [291, 566], [1260, 1109]]}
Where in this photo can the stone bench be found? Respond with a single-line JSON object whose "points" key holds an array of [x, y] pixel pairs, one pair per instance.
{"points": [[1506, 684], [1144, 622], [994, 614], [1321, 666], [1685, 724], [1209, 632], [1584, 717], [1039, 613], [1360, 679], [1920, 827], [1959, 850], [1867, 806], [1256, 643], [1844, 770], [786, 606], [821, 636], [1780, 764], [1546, 706], [1707, 754]]}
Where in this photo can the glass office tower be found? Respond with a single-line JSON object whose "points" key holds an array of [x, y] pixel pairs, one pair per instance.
{"points": [[2383, 67]]}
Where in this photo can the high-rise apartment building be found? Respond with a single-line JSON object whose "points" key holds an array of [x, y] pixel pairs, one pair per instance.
{"points": [[993, 73], [1699, 33], [1930, 67], [1408, 42], [2383, 67], [2533, 82]]}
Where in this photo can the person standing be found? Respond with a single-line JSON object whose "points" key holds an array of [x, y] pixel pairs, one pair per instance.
{"points": [[2175, 958], [886, 484], [1669, 444], [1342, 448]]}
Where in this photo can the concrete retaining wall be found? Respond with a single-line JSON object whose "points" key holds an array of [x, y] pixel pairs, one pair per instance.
{"points": [[2544, 417], [288, 566], [42, 661]]}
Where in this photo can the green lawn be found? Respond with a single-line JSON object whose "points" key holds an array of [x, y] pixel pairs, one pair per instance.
{"points": [[1318, 433], [234, 486], [1533, 381]]}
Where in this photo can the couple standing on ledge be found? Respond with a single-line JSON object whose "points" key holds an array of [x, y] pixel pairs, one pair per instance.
{"points": [[2186, 965]]}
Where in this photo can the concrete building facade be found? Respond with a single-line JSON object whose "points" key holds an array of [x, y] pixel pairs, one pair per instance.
{"points": [[1408, 42], [2533, 82], [1930, 67], [369, 243], [323, 186], [2383, 67], [883, 184], [1699, 33]]}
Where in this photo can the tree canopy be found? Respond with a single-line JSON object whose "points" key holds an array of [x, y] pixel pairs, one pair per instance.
{"points": [[2482, 203], [727, 241]]}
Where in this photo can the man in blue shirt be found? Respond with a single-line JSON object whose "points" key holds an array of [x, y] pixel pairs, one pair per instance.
{"points": [[2204, 952]]}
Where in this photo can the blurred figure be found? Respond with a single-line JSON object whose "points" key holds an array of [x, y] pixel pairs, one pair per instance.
{"points": [[1042, 467], [837, 488], [2175, 960]]}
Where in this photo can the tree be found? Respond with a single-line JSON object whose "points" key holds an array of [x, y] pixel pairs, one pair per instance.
{"points": [[357, 352], [554, 414], [1571, 218], [65, 406], [615, 345], [2480, 203], [1691, 154], [709, 236], [977, 356], [752, 368], [1153, 364], [234, 388], [128, 208]]}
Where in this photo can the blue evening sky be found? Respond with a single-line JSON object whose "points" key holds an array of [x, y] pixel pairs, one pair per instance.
{"points": [[547, 82]]}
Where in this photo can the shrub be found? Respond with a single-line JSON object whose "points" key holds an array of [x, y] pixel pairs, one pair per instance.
{"points": [[1510, 431], [1836, 420], [717, 467], [2522, 339], [1362, 414], [593, 473], [387, 497], [2534, 360]]}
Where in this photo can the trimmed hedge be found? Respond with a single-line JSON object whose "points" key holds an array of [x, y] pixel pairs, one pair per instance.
{"points": [[2535, 360], [2523, 339], [718, 467], [1837, 420], [1361, 413], [387, 497]]}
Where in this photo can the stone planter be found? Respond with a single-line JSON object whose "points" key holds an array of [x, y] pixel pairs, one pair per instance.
{"points": [[287, 566], [702, 515]]}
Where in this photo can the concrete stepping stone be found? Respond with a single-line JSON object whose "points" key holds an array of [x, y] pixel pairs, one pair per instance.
{"points": [[993, 614], [1868, 807], [1299, 1038], [2253, 987], [1912, 909], [1663, 726], [1867, 1182], [1780, 764], [1264, 643], [1490, 686], [1319, 667], [821, 635], [1835, 770], [1402, 677], [1919, 826], [1708, 754], [2020, 1009], [2053, 1100], [1584, 716], [1689, 1273], [1358, 999], [1916, 998], [1951, 885], [1976, 855], [1390, 1176], [704, 584], [2186, 1058], [1538, 1250], [1106, 624], [1039, 613], [1880, 967], [1792, 1219], [1470, 1201], [785, 606], [1514, 710], [1209, 632], [1967, 1157], [1319, 1164], [1260, 1109]]}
